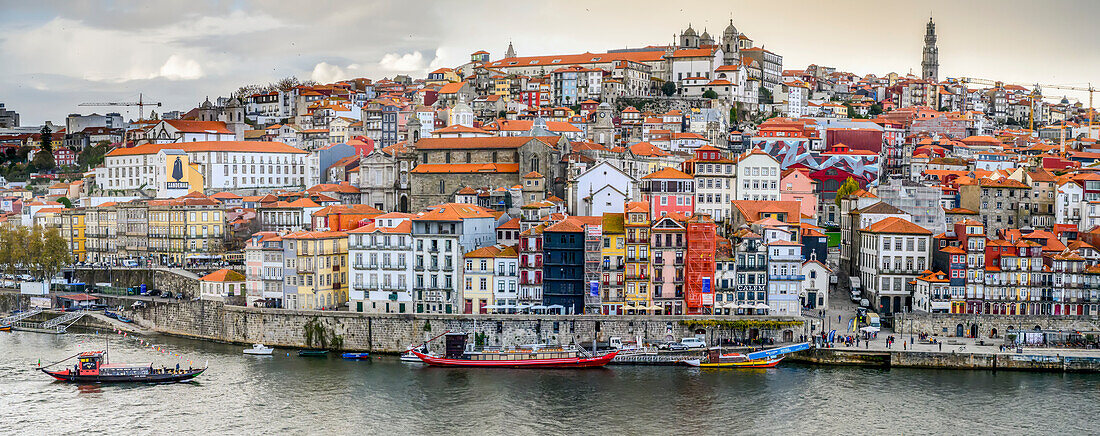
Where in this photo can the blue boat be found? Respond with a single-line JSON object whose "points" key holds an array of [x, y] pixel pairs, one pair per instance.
{"points": [[124, 319], [355, 356], [110, 314]]}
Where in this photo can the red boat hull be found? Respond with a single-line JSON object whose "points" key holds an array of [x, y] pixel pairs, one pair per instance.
{"points": [[66, 376], [568, 362]]}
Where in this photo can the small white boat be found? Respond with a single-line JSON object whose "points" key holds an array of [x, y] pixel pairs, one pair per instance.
{"points": [[259, 350], [408, 355]]}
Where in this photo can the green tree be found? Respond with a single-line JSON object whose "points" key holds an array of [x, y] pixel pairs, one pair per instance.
{"points": [[849, 186], [765, 95], [668, 89], [945, 109], [876, 109], [46, 139], [43, 161], [851, 111], [710, 94], [65, 202]]}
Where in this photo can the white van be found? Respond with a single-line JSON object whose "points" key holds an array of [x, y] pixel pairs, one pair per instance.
{"points": [[693, 343]]}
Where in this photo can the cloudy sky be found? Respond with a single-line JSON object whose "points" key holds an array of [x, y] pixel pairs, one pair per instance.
{"points": [[56, 54]]}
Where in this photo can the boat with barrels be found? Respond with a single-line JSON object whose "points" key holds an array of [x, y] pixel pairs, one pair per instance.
{"points": [[457, 354], [93, 367], [714, 358]]}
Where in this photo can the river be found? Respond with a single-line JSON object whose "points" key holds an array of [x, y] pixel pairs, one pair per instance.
{"points": [[288, 394]]}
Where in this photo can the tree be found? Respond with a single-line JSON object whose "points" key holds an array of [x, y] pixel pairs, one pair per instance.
{"points": [[765, 95], [65, 202], [876, 109], [668, 89], [710, 94], [46, 139], [43, 161], [945, 109], [849, 186]]}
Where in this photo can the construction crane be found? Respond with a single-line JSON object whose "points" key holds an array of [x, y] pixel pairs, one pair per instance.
{"points": [[1037, 93], [141, 103]]}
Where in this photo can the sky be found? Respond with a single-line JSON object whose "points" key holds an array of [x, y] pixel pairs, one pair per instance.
{"points": [[57, 54]]}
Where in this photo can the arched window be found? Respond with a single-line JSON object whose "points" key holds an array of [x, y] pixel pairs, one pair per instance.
{"points": [[534, 163], [442, 187]]}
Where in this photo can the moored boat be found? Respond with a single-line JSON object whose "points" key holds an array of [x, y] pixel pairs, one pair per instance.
{"points": [[410, 357], [5, 328], [456, 355], [92, 367], [714, 358], [355, 356], [312, 353], [259, 350]]}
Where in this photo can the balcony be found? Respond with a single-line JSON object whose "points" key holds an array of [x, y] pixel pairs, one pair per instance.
{"points": [[658, 261], [787, 277]]}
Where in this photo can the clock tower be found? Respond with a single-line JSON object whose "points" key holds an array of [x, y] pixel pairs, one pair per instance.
{"points": [[603, 127]]}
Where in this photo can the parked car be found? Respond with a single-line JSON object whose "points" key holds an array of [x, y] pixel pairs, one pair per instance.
{"points": [[856, 296], [864, 303], [672, 346], [693, 343]]}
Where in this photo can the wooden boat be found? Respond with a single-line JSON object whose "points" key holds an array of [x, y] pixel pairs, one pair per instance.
{"points": [[355, 356], [5, 328], [124, 319], [312, 353], [110, 314], [92, 367], [758, 359], [457, 356], [259, 350]]}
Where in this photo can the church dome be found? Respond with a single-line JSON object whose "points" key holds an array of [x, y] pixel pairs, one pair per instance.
{"points": [[705, 35], [689, 31], [730, 30]]}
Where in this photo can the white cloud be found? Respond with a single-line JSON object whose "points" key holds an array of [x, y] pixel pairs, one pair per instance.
{"points": [[180, 68], [403, 63]]}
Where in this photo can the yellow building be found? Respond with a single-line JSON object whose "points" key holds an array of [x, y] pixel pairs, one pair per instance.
{"points": [[320, 264], [612, 264], [101, 231], [477, 289], [186, 229], [72, 228], [638, 279]]}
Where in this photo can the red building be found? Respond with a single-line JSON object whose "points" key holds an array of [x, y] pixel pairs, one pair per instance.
{"points": [[669, 190], [63, 156]]}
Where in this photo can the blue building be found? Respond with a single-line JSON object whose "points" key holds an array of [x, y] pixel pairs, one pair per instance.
{"points": [[390, 124], [563, 271]]}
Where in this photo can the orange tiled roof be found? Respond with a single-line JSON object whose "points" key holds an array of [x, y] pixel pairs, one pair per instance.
{"points": [[897, 225]]}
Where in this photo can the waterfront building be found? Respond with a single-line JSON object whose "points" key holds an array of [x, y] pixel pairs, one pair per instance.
{"points": [[317, 270], [133, 231], [613, 264], [668, 245], [186, 229], [382, 274], [265, 262], [893, 252], [442, 234], [73, 230], [530, 265], [490, 279], [222, 285], [785, 277], [563, 270], [699, 265], [639, 300], [814, 294], [101, 230]]}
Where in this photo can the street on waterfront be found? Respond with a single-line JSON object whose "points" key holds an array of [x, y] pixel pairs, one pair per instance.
{"points": [[288, 394]]}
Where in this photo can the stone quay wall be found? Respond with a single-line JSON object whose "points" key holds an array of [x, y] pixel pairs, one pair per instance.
{"points": [[989, 326], [394, 333]]}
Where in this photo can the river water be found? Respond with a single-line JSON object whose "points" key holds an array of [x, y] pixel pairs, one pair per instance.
{"points": [[284, 394]]}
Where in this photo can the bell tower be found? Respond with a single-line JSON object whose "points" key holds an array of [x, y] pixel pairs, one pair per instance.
{"points": [[930, 64]]}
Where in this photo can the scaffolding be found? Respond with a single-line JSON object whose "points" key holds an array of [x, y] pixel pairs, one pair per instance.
{"points": [[699, 265], [593, 237]]}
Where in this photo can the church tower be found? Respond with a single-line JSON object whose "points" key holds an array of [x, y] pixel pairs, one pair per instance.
{"points": [[603, 129], [511, 52], [731, 53], [930, 65], [234, 118]]}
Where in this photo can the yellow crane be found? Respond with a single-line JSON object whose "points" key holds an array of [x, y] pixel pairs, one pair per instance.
{"points": [[1036, 93], [141, 103]]}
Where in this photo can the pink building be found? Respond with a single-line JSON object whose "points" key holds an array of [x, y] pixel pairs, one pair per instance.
{"points": [[796, 185], [669, 190]]}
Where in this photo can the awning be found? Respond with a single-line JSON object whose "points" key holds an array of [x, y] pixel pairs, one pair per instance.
{"points": [[869, 329], [762, 306], [538, 307], [555, 306]]}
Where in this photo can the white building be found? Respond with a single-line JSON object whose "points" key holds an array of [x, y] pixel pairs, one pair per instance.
{"points": [[815, 285], [757, 176], [603, 188], [893, 252], [382, 265], [223, 165], [1067, 204]]}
